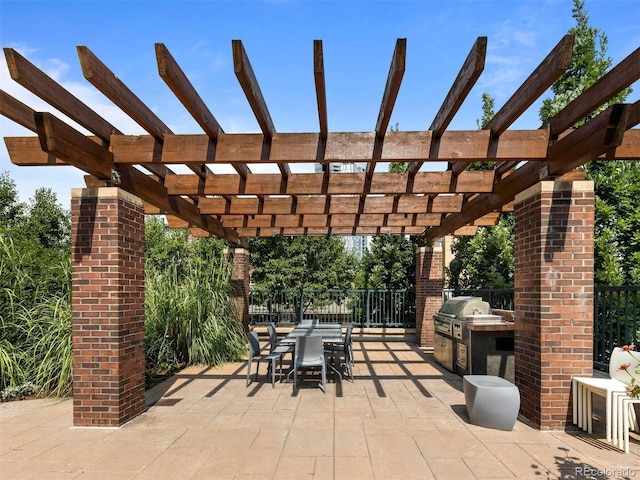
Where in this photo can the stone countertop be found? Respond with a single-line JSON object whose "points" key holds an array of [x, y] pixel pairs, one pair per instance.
{"points": [[491, 327]]}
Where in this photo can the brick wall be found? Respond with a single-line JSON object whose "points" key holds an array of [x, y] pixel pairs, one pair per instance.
{"points": [[429, 283], [107, 233], [240, 283], [553, 297]]}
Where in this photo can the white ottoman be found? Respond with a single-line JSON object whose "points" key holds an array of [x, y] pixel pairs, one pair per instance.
{"points": [[492, 402]]}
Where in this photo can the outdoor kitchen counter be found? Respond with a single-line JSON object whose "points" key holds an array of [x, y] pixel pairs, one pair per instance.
{"points": [[490, 327]]}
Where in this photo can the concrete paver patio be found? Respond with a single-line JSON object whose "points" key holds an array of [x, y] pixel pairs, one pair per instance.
{"points": [[402, 418]]}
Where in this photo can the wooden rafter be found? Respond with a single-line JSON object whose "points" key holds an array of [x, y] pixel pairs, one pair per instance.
{"points": [[321, 91], [180, 85], [612, 83], [586, 143], [115, 90], [251, 88], [551, 68], [234, 206]]}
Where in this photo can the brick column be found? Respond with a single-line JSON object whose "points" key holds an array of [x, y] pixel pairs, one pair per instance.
{"points": [[240, 283], [107, 234], [429, 282], [553, 297]]}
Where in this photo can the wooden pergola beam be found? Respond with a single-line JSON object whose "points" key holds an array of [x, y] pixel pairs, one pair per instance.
{"points": [[382, 183], [321, 91], [464, 82], [249, 83], [595, 138], [39, 83], [551, 68], [177, 81], [115, 90], [251, 89], [99, 75], [272, 205], [608, 86], [458, 146], [392, 87], [17, 111], [59, 139], [466, 79]]}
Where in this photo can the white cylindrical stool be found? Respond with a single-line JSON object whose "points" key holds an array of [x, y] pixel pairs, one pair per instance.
{"points": [[492, 402]]}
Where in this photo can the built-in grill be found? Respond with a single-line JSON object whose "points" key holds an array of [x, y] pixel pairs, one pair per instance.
{"points": [[461, 347]]}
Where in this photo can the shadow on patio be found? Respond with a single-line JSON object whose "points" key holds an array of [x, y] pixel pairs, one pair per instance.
{"points": [[403, 417]]}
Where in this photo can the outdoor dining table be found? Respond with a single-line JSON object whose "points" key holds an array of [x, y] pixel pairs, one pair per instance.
{"points": [[330, 332]]}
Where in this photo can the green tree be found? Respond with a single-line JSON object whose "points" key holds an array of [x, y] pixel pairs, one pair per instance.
{"points": [[48, 222], [11, 210], [301, 263], [617, 248], [389, 264], [588, 64], [484, 260], [488, 103]]}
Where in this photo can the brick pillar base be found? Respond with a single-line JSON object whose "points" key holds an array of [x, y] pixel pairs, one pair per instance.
{"points": [[240, 283], [429, 282], [553, 297], [107, 233]]}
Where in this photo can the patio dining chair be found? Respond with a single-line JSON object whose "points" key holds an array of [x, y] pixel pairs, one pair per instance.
{"points": [[255, 354], [584, 387], [309, 354], [339, 351], [275, 346]]}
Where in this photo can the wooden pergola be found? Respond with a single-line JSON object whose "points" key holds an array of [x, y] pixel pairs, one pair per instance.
{"points": [[429, 204]]}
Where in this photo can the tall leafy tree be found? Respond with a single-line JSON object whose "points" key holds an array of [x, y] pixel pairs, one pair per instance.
{"points": [[301, 263], [617, 248], [484, 260], [588, 64], [11, 209], [389, 264]]}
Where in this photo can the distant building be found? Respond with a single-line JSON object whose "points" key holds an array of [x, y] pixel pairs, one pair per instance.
{"points": [[360, 244]]}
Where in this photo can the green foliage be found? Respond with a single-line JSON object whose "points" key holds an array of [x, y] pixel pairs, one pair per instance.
{"points": [[11, 210], [588, 64], [617, 229], [390, 263], [617, 246], [485, 260], [301, 263], [168, 247], [35, 323], [190, 318], [488, 103]]}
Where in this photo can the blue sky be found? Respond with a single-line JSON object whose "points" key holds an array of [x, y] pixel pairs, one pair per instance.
{"points": [[358, 40]]}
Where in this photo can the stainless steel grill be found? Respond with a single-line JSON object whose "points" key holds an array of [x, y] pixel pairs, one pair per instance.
{"points": [[452, 338]]}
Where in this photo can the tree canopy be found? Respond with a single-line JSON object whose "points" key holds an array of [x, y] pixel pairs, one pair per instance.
{"points": [[301, 263]]}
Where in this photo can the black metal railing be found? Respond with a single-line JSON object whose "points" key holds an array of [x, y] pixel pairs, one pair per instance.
{"points": [[616, 320], [365, 308]]}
